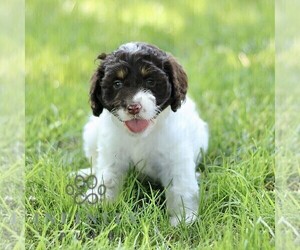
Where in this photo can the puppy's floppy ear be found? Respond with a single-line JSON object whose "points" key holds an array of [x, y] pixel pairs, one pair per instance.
{"points": [[179, 81], [95, 90]]}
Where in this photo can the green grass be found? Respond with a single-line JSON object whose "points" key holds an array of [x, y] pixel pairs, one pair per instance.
{"points": [[227, 49]]}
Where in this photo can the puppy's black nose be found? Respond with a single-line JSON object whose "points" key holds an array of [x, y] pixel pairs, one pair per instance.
{"points": [[134, 108]]}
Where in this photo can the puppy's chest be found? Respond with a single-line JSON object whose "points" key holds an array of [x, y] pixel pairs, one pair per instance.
{"points": [[144, 157]]}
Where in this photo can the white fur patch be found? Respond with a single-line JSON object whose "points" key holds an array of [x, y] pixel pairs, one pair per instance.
{"points": [[130, 47]]}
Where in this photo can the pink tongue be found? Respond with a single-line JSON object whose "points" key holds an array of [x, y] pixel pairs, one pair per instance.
{"points": [[136, 125]]}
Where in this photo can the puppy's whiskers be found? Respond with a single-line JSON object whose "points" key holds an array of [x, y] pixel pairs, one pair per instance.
{"points": [[157, 111], [114, 112]]}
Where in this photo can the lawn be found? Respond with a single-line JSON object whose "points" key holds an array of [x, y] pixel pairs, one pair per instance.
{"points": [[227, 50]]}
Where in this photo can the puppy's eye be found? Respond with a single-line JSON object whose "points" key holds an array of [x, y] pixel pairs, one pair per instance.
{"points": [[118, 84], [150, 82]]}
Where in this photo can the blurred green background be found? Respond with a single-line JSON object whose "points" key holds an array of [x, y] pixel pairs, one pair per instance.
{"points": [[227, 50]]}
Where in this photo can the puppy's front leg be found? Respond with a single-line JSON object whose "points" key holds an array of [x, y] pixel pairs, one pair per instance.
{"points": [[182, 194], [110, 178]]}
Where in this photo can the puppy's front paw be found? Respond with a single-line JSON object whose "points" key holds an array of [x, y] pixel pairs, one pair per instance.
{"points": [[99, 194], [174, 221], [188, 219], [86, 187]]}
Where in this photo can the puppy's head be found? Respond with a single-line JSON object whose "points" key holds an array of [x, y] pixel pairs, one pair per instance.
{"points": [[137, 82]]}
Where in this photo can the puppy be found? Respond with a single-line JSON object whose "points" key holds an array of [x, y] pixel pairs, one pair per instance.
{"points": [[141, 117]]}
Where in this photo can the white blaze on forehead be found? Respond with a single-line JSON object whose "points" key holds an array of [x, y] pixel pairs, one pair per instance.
{"points": [[130, 47], [145, 98]]}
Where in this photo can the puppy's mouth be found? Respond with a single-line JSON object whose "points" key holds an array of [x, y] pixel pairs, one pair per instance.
{"points": [[137, 125]]}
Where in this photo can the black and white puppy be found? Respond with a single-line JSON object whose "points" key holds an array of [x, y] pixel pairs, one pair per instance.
{"points": [[141, 117]]}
